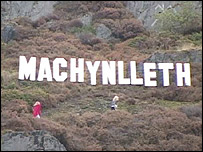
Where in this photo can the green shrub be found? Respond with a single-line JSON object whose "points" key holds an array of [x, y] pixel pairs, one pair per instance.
{"points": [[196, 38], [11, 94], [185, 21], [29, 94], [135, 42], [12, 85], [167, 34], [84, 29]]}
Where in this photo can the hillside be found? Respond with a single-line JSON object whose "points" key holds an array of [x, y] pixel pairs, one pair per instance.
{"points": [[78, 114]]}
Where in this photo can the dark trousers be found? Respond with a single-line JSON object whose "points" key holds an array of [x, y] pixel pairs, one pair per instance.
{"points": [[113, 108]]}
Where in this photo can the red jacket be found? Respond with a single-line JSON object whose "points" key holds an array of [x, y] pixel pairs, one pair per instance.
{"points": [[37, 110]]}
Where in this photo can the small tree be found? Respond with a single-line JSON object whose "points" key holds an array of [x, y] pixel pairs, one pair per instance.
{"points": [[185, 21]]}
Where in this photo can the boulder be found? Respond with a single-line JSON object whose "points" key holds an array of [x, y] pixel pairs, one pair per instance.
{"points": [[103, 32], [183, 56], [8, 33], [37, 140], [86, 19]]}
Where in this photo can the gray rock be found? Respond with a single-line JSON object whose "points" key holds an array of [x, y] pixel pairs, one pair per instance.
{"points": [[86, 19], [30, 141], [190, 56], [103, 32], [194, 56], [7, 33], [32, 9]]}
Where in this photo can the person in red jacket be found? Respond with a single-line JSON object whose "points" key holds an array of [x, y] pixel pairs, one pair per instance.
{"points": [[37, 109]]}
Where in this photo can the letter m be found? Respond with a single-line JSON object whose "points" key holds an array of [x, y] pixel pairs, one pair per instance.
{"points": [[27, 69]]}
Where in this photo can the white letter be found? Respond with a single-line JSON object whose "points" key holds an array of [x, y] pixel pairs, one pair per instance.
{"points": [[93, 70], [149, 74], [56, 75], [74, 70], [165, 67], [180, 74], [109, 72], [121, 79], [44, 70], [27, 69], [134, 79]]}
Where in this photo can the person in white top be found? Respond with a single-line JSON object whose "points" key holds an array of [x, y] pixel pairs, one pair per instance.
{"points": [[114, 103]]}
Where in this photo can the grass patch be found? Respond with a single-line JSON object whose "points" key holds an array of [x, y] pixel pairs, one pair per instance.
{"points": [[11, 85], [135, 41], [84, 29], [12, 94], [28, 95], [33, 84], [171, 104], [130, 108]]}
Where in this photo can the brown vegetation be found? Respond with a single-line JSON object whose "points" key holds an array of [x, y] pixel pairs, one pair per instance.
{"points": [[89, 39], [192, 111], [120, 129]]}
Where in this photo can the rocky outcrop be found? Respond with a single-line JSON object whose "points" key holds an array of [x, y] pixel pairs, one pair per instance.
{"points": [[146, 10], [32, 9], [7, 33], [30, 141], [103, 32], [86, 19], [194, 56], [189, 56]]}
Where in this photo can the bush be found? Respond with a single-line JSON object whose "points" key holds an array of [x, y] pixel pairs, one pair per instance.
{"points": [[174, 93], [113, 4], [25, 33], [131, 28], [51, 17], [125, 29], [161, 41], [192, 111], [72, 7], [75, 23], [87, 38], [186, 20], [109, 13], [24, 21], [137, 41], [39, 22], [196, 38], [84, 29], [69, 26], [59, 37]]}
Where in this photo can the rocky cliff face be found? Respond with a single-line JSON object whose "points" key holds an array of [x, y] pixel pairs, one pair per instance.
{"points": [[31, 9], [146, 10], [30, 141], [143, 10]]}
